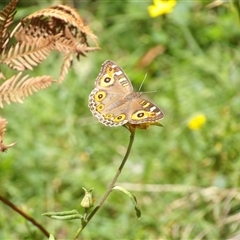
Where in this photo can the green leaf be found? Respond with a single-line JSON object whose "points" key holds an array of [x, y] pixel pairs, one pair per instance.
{"points": [[51, 237], [132, 197], [157, 124], [64, 215]]}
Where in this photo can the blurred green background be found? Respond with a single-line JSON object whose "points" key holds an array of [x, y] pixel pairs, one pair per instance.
{"points": [[186, 181]]}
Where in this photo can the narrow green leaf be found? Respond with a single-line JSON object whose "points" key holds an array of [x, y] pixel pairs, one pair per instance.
{"points": [[132, 197], [65, 215], [70, 217], [158, 124], [51, 237]]}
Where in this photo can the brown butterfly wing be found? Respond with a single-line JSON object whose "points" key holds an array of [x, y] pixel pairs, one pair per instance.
{"points": [[143, 111], [113, 79]]}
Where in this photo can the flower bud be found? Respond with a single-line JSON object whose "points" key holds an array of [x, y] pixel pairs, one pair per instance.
{"points": [[87, 201]]}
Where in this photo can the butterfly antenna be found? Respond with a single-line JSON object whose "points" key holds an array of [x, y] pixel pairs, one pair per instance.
{"points": [[142, 85], [154, 91], [142, 82]]}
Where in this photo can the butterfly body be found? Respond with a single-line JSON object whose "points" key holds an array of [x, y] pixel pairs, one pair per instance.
{"points": [[114, 102]]}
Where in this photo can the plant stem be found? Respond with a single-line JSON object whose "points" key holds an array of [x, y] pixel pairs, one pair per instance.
{"points": [[25, 215], [109, 189]]}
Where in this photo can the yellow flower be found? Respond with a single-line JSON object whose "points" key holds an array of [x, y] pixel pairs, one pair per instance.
{"points": [[160, 7], [197, 121]]}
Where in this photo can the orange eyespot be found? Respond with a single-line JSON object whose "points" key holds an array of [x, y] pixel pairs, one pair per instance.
{"points": [[100, 96], [120, 117], [100, 107]]}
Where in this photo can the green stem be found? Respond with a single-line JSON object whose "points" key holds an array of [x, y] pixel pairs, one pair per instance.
{"points": [[109, 187]]}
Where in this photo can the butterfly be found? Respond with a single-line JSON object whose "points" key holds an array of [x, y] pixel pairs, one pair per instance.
{"points": [[114, 103]]}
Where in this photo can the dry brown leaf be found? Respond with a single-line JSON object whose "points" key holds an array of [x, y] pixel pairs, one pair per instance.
{"points": [[67, 62], [150, 55], [16, 89], [36, 28], [6, 19], [67, 45], [60, 16], [3, 147], [25, 55], [58, 28]]}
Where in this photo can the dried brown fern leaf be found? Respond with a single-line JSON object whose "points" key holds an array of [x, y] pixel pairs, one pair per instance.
{"points": [[69, 10], [3, 124], [16, 89], [68, 43], [68, 57], [32, 30], [64, 44], [60, 16], [25, 55], [6, 19], [67, 63], [65, 30], [68, 46], [81, 24]]}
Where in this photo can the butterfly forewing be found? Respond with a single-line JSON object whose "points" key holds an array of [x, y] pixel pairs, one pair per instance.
{"points": [[113, 79]]}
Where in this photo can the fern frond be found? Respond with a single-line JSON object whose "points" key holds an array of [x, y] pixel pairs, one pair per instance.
{"points": [[68, 43], [68, 47], [3, 124], [69, 10], [67, 63], [81, 25], [68, 57], [58, 28], [6, 19], [60, 16], [33, 30], [25, 55], [15, 90]]}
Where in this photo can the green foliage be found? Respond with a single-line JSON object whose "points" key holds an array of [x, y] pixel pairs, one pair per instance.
{"points": [[62, 148]]}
